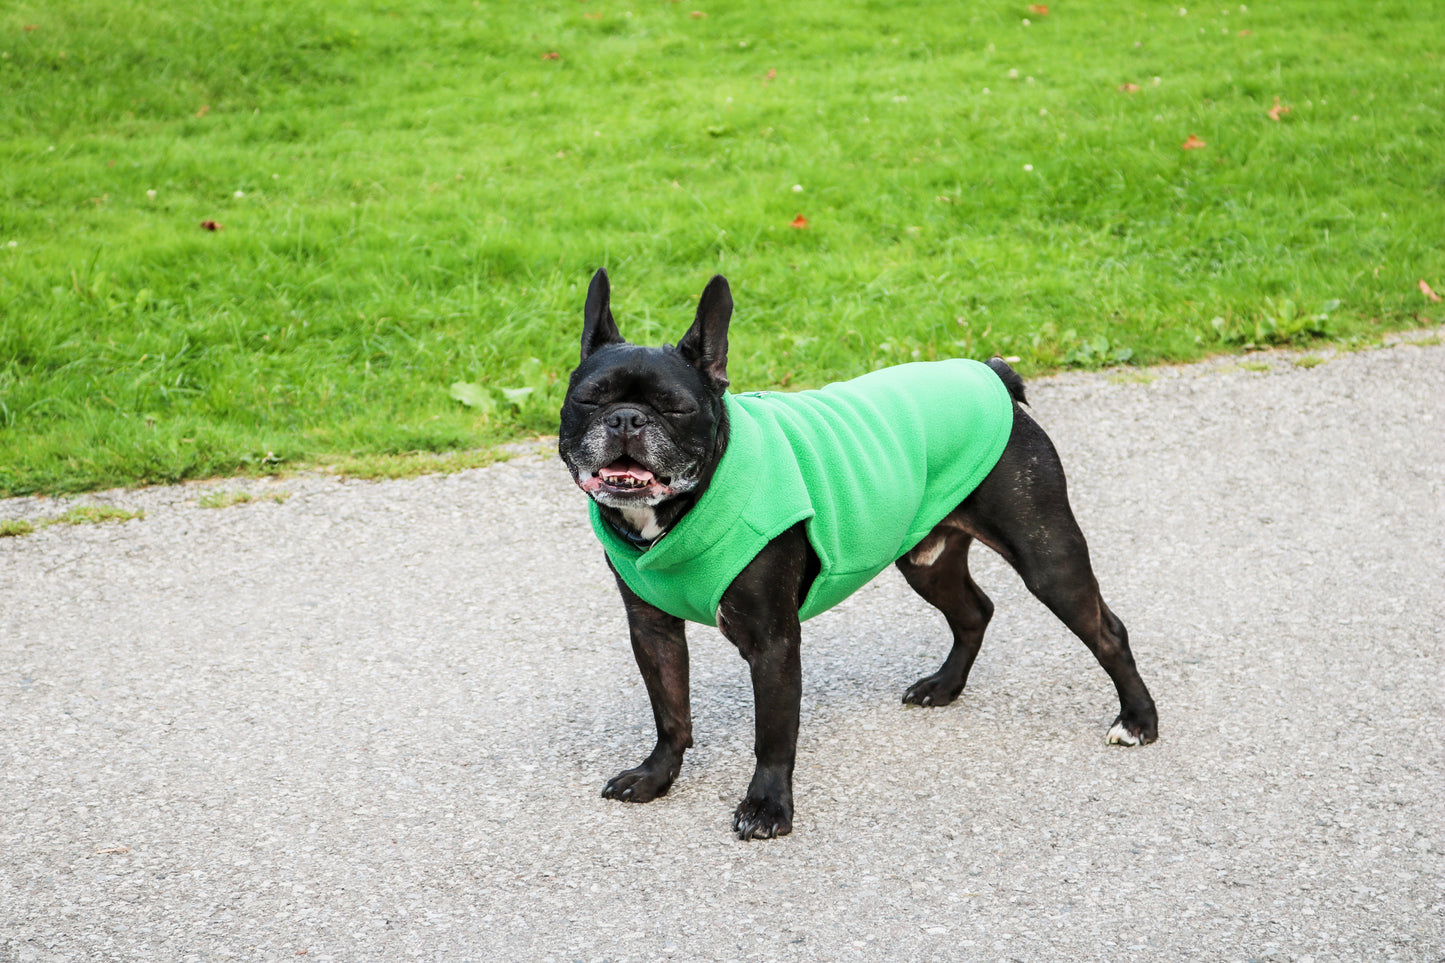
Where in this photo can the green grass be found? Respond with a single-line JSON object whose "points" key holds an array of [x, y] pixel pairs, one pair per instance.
{"points": [[223, 499], [409, 465], [94, 515], [414, 195], [220, 498], [79, 515]]}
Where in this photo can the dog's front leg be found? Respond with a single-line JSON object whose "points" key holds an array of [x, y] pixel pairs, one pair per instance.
{"points": [[759, 614], [659, 644]]}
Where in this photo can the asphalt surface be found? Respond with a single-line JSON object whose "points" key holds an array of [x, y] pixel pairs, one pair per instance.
{"points": [[371, 721]]}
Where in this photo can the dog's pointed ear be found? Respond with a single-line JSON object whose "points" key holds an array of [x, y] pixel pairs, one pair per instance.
{"points": [[598, 328], [705, 346]]}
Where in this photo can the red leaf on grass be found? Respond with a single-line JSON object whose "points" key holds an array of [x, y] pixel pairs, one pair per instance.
{"points": [[211, 225], [1425, 290], [801, 222], [1038, 10], [551, 55], [1191, 143], [1277, 110]]}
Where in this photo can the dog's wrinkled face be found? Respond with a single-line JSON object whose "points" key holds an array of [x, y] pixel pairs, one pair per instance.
{"points": [[637, 426], [640, 425]]}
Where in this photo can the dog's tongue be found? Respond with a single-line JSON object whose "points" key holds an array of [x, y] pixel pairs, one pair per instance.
{"points": [[626, 470]]}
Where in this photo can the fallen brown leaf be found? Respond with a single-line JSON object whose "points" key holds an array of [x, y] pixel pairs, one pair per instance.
{"points": [[31, 27], [1129, 88], [1277, 110], [205, 109], [1191, 143], [1038, 10], [1425, 290], [551, 55], [697, 15], [211, 225]]}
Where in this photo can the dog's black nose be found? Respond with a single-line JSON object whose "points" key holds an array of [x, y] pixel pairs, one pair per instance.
{"points": [[625, 421]]}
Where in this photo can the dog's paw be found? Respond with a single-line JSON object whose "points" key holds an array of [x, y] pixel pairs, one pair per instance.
{"points": [[638, 785], [1123, 733], [932, 690], [762, 819]]}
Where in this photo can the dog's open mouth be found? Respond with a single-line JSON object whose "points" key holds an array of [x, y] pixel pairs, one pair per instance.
{"points": [[625, 477]]}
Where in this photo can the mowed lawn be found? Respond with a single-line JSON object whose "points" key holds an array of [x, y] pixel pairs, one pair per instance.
{"points": [[252, 236]]}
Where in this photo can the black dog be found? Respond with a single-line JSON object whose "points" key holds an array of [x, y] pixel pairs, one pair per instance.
{"points": [[644, 430]]}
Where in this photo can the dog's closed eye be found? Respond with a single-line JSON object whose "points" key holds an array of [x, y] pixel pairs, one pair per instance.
{"points": [[675, 405]]}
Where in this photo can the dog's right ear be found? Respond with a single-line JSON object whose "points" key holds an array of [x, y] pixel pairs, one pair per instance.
{"points": [[598, 328]]}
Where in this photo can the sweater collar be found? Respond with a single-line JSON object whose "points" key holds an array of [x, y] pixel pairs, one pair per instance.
{"points": [[714, 514]]}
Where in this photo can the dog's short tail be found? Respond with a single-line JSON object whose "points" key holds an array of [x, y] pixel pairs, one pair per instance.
{"points": [[1010, 379]]}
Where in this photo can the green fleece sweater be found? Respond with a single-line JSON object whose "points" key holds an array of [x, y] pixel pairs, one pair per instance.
{"points": [[871, 465]]}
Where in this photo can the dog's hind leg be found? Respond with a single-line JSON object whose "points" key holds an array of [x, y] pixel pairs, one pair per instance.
{"points": [[1068, 588], [937, 569], [1021, 510]]}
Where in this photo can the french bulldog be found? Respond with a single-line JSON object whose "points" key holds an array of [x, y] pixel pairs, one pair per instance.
{"points": [[646, 431]]}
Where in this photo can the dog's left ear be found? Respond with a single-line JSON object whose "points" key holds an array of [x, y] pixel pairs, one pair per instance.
{"points": [[705, 346]]}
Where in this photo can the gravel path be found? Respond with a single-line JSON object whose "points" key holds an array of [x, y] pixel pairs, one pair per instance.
{"points": [[371, 721]]}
